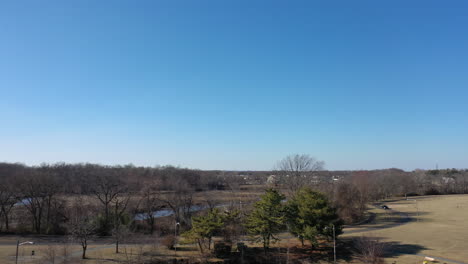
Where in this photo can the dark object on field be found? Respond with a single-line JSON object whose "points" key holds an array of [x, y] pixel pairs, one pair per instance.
{"points": [[384, 207], [222, 249], [168, 242], [241, 247]]}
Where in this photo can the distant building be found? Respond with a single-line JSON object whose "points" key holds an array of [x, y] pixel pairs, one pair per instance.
{"points": [[272, 180]]}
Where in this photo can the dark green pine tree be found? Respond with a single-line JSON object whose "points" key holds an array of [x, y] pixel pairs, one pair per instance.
{"points": [[204, 228], [267, 218], [310, 216]]}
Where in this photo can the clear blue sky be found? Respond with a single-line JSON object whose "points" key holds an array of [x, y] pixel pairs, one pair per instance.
{"points": [[235, 84]]}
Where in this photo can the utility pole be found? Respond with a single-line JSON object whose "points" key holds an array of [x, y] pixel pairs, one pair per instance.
{"points": [[17, 248], [175, 238], [287, 252], [334, 245], [417, 210], [334, 242]]}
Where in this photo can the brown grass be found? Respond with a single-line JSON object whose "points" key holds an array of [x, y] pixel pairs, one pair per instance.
{"points": [[441, 229]]}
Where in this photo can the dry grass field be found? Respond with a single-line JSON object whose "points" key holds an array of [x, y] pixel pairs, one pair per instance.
{"points": [[439, 228]]}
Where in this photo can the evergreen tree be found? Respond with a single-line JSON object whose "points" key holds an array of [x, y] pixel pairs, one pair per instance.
{"points": [[309, 216], [204, 228], [267, 217]]}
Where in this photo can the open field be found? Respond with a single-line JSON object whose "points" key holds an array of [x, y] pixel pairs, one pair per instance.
{"points": [[437, 227]]}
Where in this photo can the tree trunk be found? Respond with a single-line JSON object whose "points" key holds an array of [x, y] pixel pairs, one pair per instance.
{"points": [[200, 245], [6, 223], [39, 219], [106, 217], [5, 214], [151, 225], [266, 243], [48, 214], [117, 246], [83, 256]]}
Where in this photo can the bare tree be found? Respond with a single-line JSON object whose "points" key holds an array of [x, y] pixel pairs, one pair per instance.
{"points": [[82, 224], [462, 182], [181, 203], [180, 199], [119, 232], [370, 250], [8, 199], [349, 205], [39, 189], [120, 223], [296, 170], [150, 202], [109, 190], [363, 184]]}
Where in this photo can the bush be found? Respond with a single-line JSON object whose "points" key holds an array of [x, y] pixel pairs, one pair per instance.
{"points": [[241, 247], [370, 250], [222, 249], [168, 241]]}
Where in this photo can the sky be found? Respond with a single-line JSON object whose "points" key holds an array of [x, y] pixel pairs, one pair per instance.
{"points": [[235, 85]]}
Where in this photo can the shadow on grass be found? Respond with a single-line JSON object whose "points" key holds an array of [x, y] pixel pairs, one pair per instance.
{"points": [[295, 254], [395, 249], [390, 249], [389, 219]]}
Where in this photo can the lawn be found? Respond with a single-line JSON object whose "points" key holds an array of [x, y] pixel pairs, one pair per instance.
{"points": [[439, 228]]}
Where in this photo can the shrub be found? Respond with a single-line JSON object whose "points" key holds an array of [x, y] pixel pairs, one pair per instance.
{"points": [[370, 250], [222, 249], [241, 247]]}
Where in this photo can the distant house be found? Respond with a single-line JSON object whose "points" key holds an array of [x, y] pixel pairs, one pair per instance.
{"points": [[272, 180], [335, 178]]}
